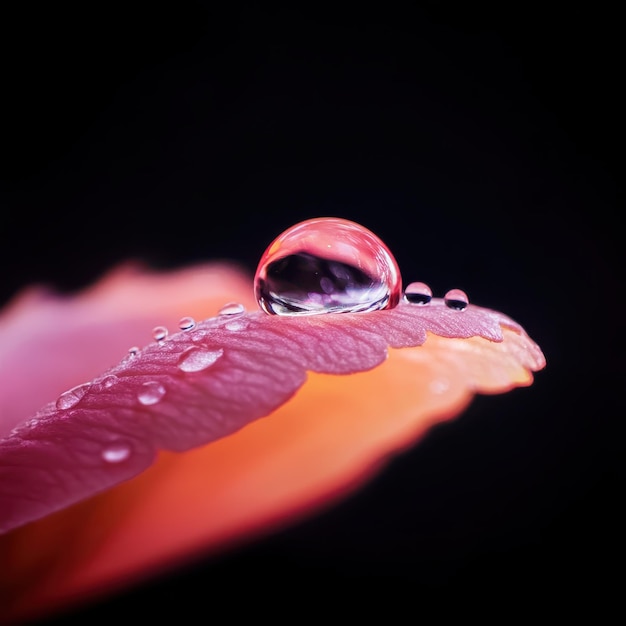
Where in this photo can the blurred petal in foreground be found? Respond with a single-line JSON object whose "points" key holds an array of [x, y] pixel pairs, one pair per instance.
{"points": [[83, 504]]}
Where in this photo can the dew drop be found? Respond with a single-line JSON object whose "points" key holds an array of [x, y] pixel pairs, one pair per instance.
{"points": [[134, 351], [116, 452], [108, 381], [418, 293], [151, 393], [232, 308], [198, 359], [186, 323], [456, 299], [72, 397], [236, 325], [159, 333], [327, 265]]}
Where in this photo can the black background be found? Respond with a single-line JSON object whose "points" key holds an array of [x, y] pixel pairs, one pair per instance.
{"points": [[479, 143]]}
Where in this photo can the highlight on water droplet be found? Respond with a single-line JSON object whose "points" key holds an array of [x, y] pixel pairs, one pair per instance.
{"points": [[134, 351], [72, 397], [456, 299], [418, 293], [151, 393], [159, 333], [327, 265], [186, 323], [116, 452], [232, 308], [196, 359]]}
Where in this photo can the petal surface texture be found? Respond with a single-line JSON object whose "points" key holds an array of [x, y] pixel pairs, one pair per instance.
{"points": [[163, 455]]}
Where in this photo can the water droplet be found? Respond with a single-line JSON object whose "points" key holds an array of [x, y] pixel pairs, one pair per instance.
{"points": [[186, 323], [232, 308], [116, 452], [134, 351], [72, 397], [159, 333], [151, 393], [327, 265], [108, 381], [198, 359], [418, 293], [456, 299], [235, 325]]}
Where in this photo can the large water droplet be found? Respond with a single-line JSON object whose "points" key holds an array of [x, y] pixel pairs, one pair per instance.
{"points": [[418, 293], [159, 333], [232, 308], [327, 265], [198, 359], [72, 397], [151, 393], [116, 452], [186, 323], [456, 299]]}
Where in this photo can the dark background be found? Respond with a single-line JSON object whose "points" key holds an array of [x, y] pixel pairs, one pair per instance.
{"points": [[479, 143]]}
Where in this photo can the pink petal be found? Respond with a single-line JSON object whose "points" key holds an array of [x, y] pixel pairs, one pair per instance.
{"points": [[59, 342], [150, 402], [260, 476]]}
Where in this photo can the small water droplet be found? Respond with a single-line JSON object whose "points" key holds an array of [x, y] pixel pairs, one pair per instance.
{"points": [[186, 323], [116, 452], [235, 325], [232, 308], [134, 351], [327, 265], [151, 393], [108, 381], [72, 397], [456, 299], [159, 333], [418, 293], [198, 359]]}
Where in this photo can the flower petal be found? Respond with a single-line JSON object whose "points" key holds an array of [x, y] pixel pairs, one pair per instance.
{"points": [[93, 330], [315, 445], [196, 387]]}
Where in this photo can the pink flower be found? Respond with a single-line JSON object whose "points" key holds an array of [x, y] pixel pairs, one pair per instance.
{"points": [[213, 434]]}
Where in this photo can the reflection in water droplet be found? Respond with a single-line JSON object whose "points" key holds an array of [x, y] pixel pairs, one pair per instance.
{"points": [[116, 452], [232, 308], [108, 381], [186, 323], [72, 397], [418, 293], [159, 333], [327, 265], [134, 351], [151, 393], [456, 299], [198, 359]]}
